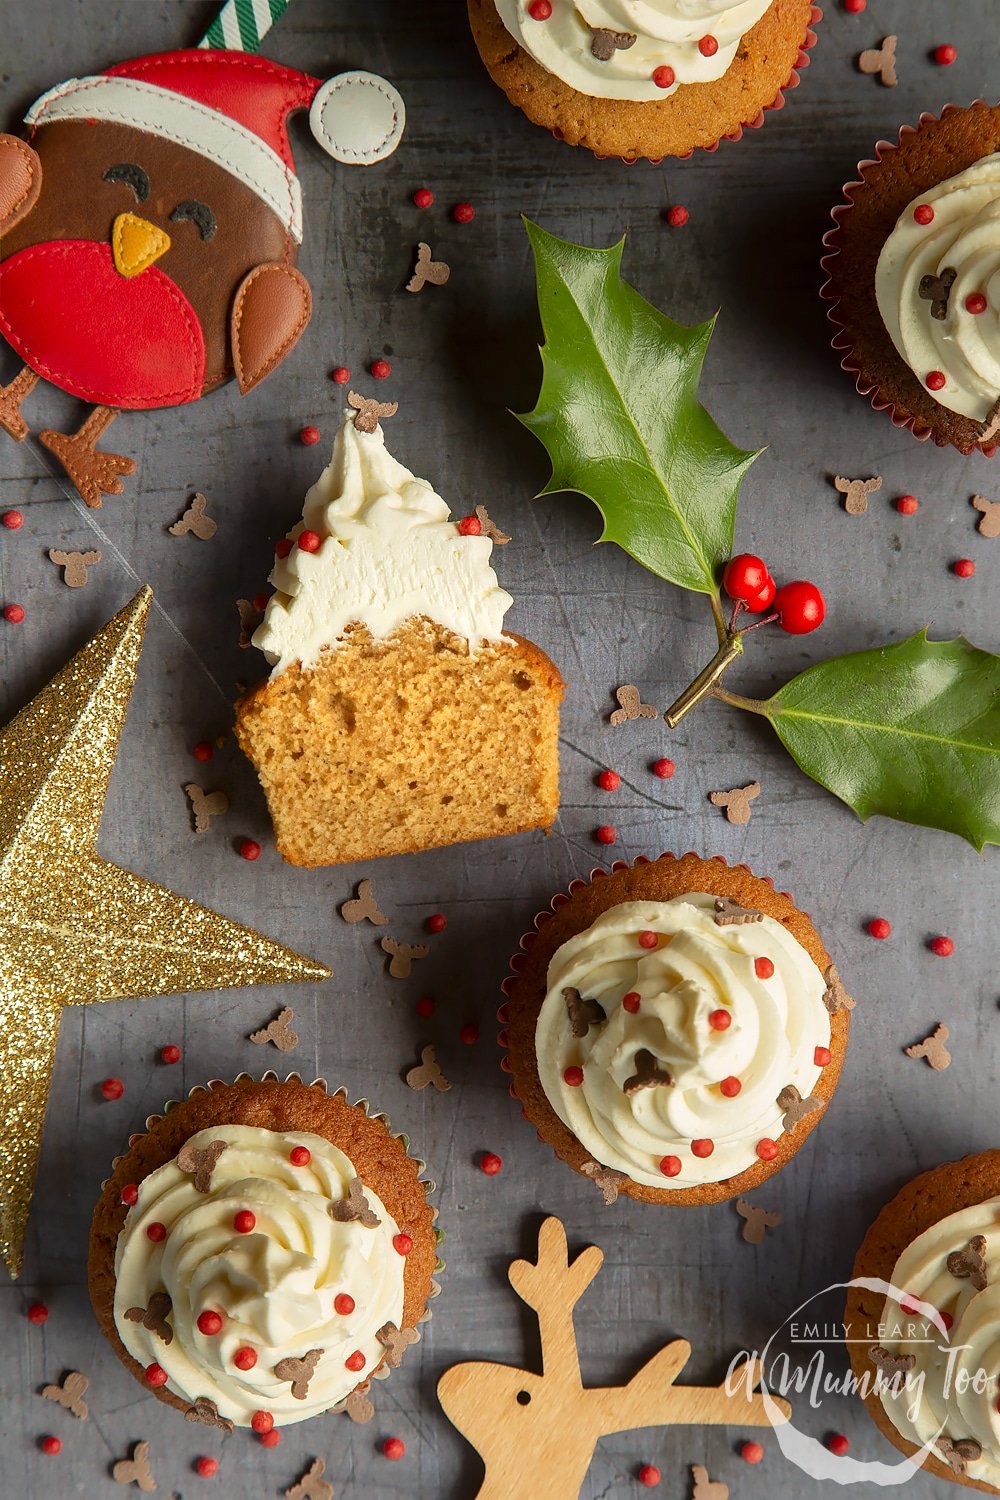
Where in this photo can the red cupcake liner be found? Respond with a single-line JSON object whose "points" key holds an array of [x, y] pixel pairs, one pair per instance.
{"points": [[841, 342]]}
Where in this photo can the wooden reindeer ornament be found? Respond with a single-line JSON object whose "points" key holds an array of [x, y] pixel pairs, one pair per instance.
{"points": [[536, 1434]]}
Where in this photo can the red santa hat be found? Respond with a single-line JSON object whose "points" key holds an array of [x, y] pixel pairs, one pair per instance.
{"points": [[233, 107]]}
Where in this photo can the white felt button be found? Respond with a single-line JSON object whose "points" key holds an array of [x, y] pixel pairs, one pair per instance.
{"points": [[358, 118]]}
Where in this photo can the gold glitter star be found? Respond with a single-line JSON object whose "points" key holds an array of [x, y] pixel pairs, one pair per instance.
{"points": [[74, 928]]}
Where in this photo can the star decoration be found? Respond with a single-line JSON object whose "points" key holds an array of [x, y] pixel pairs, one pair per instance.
{"points": [[74, 928]]}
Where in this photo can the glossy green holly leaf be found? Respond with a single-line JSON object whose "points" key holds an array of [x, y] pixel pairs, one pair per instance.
{"points": [[911, 731], [619, 414]]}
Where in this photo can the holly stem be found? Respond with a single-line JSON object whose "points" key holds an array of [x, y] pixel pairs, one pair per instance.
{"points": [[704, 683], [720, 619], [736, 700]]}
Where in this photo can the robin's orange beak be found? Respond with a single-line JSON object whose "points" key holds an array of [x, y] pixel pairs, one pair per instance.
{"points": [[136, 244]]}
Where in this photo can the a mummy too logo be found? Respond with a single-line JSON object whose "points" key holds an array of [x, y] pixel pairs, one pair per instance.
{"points": [[904, 1355]]}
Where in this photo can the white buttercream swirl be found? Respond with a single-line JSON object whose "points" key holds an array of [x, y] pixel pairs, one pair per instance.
{"points": [[274, 1287], [964, 237], [940, 1395], [388, 553], [697, 967], [667, 33]]}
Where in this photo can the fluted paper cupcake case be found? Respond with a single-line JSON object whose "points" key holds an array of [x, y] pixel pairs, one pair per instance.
{"points": [[752, 1176], [831, 292], [384, 1370]]}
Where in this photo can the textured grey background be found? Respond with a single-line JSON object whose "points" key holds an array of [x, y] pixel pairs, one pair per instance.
{"points": [[461, 356]]}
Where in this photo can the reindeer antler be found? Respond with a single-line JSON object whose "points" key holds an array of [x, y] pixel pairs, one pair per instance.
{"points": [[553, 1285]]}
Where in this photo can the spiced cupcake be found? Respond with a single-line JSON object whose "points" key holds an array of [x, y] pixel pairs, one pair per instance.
{"points": [[675, 1029], [913, 269], [262, 1252], [923, 1321], [644, 78]]}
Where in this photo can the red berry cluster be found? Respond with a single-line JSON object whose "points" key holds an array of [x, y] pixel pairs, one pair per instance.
{"points": [[798, 607]]}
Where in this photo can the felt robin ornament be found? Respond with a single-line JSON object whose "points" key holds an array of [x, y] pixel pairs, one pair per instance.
{"points": [[148, 232]]}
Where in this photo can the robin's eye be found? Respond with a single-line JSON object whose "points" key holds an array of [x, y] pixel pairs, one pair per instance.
{"points": [[198, 213], [132, 175]]}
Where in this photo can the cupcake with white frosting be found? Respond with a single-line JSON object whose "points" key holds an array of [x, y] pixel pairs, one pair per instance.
{"points": [[674, 1029], [923, 1327], [914, 278], [644, 78], [263, 1253]]}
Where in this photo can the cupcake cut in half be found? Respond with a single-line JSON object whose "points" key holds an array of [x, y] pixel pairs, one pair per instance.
{"points": [[398, 715], [644, 78], [677, 1024], [926, 1360], [266, 1247], [914, 278]]}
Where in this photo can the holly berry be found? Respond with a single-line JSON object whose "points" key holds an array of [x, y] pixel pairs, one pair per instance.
{"points": [[470, 526], [156, 1232], [170, 1055], [283, 546], [112, 1088], [649, 1475], [631, 1002], [944, 947], [270, 1439], [423, 198], [720, 1020], [341, 375], [879, 927], [924, 214], [855, 7], [490, 1163], [355, 1362], [380, 369], [821, 1057], [425, 1007], [708, 46], [12, 520], [609, 781], [963, 568], [976, 303], [540, 10], [310, 541], [664, 76], [203, 751], [730, 1087], [800, 607], [767, 1149], [469, 1034], [663, 768], [394, 1448], [945, 55], [130, 1194], [702, 1147], [763, 600], [463, 213], [245, 1358], [677, 216], [13, 613], [745, 576], [838, 1444], [648, 939], [936, 380], [206, 1468]]}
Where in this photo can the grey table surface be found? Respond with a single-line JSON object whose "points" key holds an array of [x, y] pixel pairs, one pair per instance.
{"points": [[461, 357]]}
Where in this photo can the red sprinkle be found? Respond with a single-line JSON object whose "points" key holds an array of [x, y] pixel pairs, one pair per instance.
{"points": [[907, 505], [171, 1054], [130, 1194], [209, 1322], [402, 1244], [156, 1232], [947, 1320], [838, 1444], [50, 1445], [664, 76], [112, 1088], [963, 568], [203, 751], [855, 7], [730, 1087], [355, 1361], [632, 1001], [767, 1149], [821, 1057], [540, 10], [708, 46], [309, 436], [270, 1439], [436, 923], [924, 213], [670, 1166], [976, 303], [649, 1475], [945, 55], [423, 197], [341, 375], [606, 834], [490, 1163], [245, 1358], [763, 968], [470, 526], [244, 1222], [752, 1453], [702, 1147], [37, 1313], [609, 781], [936, 380], [156, 1375], [249, 849], [879, 927], [720, 1020], [206, 1468], [944, 947], [463, 213], [663, 768], [425, 1006], [394, 1448], [261, 1422], [648, 939], [677, 216], [283, 547], [309, 541], [300, 1156], [380, 369], [469, 1034], [13, 613], [573, 1077], [343, 1304], [12, 520]]}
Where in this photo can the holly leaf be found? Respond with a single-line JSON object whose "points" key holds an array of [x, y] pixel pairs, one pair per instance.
{"points": [[911, 731], [619, 415]]}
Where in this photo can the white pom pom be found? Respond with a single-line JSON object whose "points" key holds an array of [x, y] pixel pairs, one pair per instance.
{"points": [[358, 118]]}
